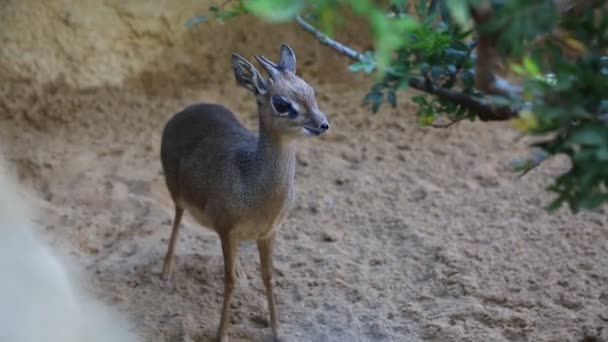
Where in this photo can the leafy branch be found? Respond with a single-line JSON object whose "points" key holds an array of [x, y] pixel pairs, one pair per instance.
{"points": [[484, 110], [556, 48]]}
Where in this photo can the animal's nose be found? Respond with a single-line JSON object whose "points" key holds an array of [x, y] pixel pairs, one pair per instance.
{"points": [[324, 126]]}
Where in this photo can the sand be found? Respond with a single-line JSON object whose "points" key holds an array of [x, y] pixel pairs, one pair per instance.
{"points": [[399, 233]]}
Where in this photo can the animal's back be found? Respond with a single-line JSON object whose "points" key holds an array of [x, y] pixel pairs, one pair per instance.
{"points": [[201, 139]]}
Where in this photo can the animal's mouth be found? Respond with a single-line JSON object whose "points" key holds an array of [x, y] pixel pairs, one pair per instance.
{"points": [[313, 131]]}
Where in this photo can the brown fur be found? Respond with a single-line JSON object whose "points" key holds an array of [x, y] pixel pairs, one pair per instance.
{"points": [[233, 182]]}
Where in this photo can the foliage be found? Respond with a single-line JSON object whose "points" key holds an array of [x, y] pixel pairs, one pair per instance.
{"points": [[433, 41]]}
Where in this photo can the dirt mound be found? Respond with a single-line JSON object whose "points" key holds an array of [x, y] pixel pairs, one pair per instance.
{"points": [[399, 233]]}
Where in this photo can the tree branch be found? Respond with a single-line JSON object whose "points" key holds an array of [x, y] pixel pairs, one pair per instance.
{"points": [[484, 110], [449, 124], [486, 79], [327, 41], [538, 157]]}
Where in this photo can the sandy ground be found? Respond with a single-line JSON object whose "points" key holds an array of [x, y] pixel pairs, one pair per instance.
{"points": [[399, 233]]}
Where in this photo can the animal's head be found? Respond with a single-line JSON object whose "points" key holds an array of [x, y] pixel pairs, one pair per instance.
{"points": [[287, 103]]}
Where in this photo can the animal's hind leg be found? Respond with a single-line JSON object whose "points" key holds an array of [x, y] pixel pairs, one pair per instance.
{"points": [[229, 250], [170, 257], [241, 276]]}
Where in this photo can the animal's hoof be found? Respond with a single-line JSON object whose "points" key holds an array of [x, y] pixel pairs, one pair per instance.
{"points": [[166, 277], [275, 338], [240, 274]]}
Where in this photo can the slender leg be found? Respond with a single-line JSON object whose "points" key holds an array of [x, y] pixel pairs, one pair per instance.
{"points": [[238, 270], [229, 249], [170, 257], [266, 250]]}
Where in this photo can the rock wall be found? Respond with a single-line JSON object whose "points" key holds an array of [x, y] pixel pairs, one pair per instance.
{"points": [[145, 45]]}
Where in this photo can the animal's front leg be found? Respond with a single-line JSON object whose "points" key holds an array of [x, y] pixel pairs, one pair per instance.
{"points": [[229, 249], [266, 250]]}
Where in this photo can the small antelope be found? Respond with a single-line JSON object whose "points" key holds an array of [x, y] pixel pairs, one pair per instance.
{"points": [[233, 182]]}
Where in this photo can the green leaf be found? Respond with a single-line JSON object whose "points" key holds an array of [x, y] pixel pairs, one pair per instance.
{"points": [[391, 97], [459, 9], [468, 79], [520, 164], [376, 107], [367, 65], [378, 87], [373, 97], [275, 10], [590, 135], [555, 205], [518, 69], [591, 202], [420, 100], [602, 154], [356, 67], [361, 6], [426, 119], [531, 67], [461, 111], [388, 34]]}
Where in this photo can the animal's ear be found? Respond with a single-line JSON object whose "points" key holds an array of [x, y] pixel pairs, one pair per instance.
{"points": [[247, 75], [288, 58], [271, 68]]}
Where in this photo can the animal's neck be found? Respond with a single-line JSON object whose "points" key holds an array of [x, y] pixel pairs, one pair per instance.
{"points": [[275, 155]]}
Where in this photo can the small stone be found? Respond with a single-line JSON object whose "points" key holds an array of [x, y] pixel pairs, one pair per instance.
{"points": [[418, 195], [376, 262], [260, 321], [328, 237], [301, 161]]}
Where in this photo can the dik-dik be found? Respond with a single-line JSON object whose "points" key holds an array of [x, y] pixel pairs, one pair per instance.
{"points": [[236, 183]]}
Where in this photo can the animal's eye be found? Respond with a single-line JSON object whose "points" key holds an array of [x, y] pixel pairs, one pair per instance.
{"points": [[281, 105]]}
